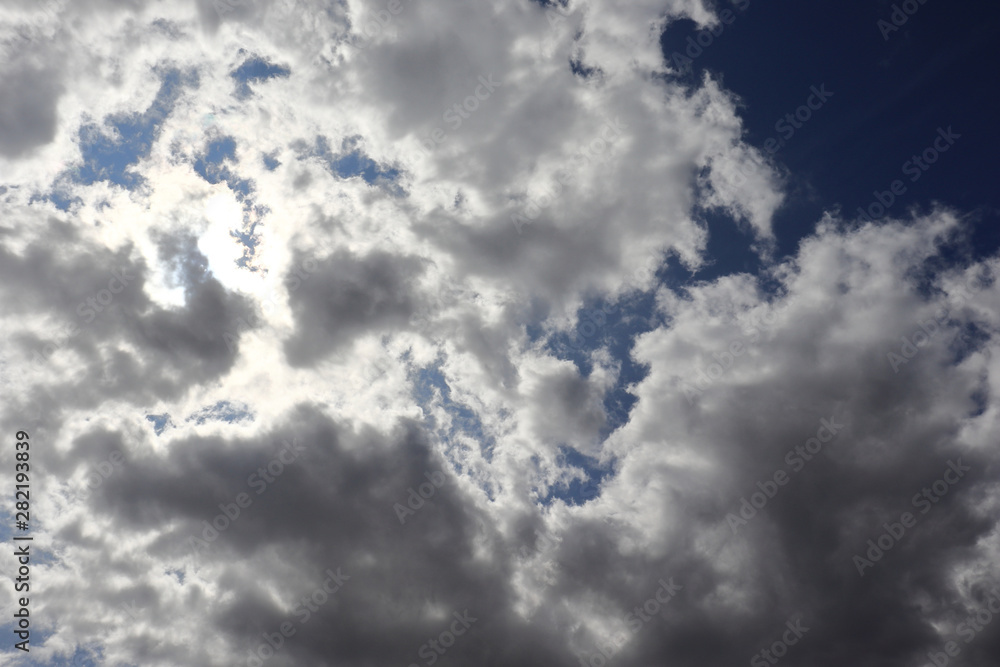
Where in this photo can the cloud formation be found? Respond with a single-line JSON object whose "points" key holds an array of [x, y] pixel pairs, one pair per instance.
{"points": [[246, 287]]}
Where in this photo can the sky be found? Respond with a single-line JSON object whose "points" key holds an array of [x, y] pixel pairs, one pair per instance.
{"points": [[520, 332]]}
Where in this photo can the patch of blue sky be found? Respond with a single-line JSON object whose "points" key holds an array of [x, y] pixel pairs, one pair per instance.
{"points": [[213, 168], [60, 197], [81, 658], [430, 388], [971, 338], [160, 422], [111, 149], [270, 161], [890, 93], [582, 71], [90, 655], [729, 247], [551, 4], [249, 238], [578, 490], [350, 162], [255, 70], [612, 326], [38, 637], [223, 411]]}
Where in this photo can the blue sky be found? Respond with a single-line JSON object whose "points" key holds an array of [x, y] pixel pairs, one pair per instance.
{"points": [[890, 98]]}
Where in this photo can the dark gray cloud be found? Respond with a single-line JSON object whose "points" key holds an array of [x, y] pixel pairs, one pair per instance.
{"points": [[332, 506], [97, 314], [349, 296], [28, 111]]}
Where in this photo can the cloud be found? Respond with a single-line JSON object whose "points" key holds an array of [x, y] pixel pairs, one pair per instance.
{"points": [[29, 119], [298, 309], [347, 297]]}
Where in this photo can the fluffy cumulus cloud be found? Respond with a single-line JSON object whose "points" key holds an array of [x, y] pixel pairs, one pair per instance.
{"points": [[292, 295]]}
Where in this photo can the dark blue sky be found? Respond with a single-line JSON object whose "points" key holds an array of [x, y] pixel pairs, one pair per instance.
{"points": [[890, 97]]}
